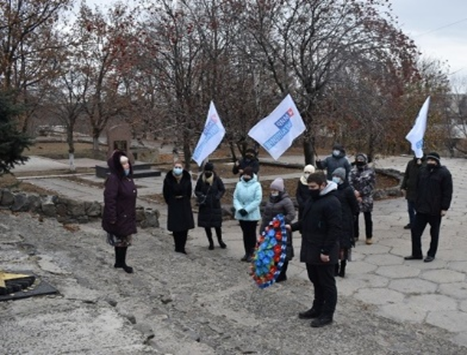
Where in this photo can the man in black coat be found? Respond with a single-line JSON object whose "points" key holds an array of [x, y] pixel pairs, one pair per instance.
{"points": [[434, 194], [250, 160], [320, 228], [408, 187]]}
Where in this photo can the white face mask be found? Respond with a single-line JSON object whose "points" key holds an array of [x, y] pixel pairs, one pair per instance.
{"points": [[306, 174], [336, 152], [337, 180], [274, 194]]}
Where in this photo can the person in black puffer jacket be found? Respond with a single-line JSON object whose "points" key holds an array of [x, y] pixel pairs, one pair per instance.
{"points": [[433, 199], [408, 187]]}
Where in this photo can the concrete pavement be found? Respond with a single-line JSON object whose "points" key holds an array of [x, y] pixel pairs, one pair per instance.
{"points": [[406, 291]]}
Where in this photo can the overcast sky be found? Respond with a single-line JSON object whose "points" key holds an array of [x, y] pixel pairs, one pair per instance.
{"points": [[438, 27]]}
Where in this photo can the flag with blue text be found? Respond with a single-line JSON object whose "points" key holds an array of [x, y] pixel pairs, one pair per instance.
{"points": [[276, 132], [416, 134], [211, 137]]}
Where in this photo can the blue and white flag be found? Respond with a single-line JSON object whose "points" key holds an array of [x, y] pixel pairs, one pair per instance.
{"points": [[416, 134], [277, 131], [211, 137]]}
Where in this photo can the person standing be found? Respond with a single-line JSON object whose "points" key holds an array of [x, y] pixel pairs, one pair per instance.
{"points": [[432, 201], [280, 203], [303, 193], [177, 190], [320, 228], [363, 179], [408, 187], [119, 216], [346, 195], [250, 160], [246, 200], [336, 160], [209, 191]]}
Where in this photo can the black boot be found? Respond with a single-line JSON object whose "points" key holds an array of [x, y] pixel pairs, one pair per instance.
{"points": [[336, 270], [219, 238], [120, 256], [283, 275], [211, 243], [342, 269]]}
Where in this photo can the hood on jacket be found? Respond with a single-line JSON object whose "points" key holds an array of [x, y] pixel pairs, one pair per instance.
{"points": [[114, 163], [331, 186]]}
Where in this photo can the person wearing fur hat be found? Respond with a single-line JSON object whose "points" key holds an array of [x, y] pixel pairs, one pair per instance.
{"points": [[336, 160], [250, 159], [280, 203], [432, 201], [209, 191], [363, 179], [246, 201], [177, 190], [303, 193], [349, 204], [119, 216]]}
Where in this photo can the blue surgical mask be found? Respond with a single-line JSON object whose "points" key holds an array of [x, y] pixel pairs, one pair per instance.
{"points": [[127, 172], [177, 171], [337, 180], [336, 152]]}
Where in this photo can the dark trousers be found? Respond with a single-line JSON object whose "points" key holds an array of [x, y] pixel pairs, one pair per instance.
{"points": [[421, 220], [209, 233], [411, 211], [368, 226], [180, 240], [249, 236], [324, 283]]}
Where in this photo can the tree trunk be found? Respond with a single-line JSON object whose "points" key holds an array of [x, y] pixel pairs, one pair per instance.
{"points": [[186, 151], [71, 147], [309, 150]]}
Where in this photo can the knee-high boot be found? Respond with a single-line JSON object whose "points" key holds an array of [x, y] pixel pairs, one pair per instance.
{"points": [[283, 275], [342, 269], [209, 236], [219, 238], [336, 270]]}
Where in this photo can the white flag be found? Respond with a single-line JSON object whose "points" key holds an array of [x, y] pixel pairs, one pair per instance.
{"points": [[415, 136], [277, 131], [212, 135]]}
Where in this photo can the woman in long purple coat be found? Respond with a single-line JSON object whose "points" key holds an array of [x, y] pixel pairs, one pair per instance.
{"points": [[119, 217]]}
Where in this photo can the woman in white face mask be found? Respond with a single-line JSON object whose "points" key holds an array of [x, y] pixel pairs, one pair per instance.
{"points": [[280, 203], [177, 191], [303, 193]]}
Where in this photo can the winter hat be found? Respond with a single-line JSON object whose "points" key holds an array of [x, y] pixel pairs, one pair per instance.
{"points": [[434, 156], [338, 146], [208, 166], [340, 172], [278, 185], [248, 171], [309, 169], [123, 159], [361, 157]]}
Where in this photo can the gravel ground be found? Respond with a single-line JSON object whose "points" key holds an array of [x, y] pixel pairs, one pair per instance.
{"points": [[203, 303]]}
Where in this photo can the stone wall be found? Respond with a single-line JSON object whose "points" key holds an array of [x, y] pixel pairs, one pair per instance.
{"points": [[66, 210]]}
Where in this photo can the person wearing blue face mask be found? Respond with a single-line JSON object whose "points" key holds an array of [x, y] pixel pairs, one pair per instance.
{"points": [[177, 190], [334, 161], [349, 204]]}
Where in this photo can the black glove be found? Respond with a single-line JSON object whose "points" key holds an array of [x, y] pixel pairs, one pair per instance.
{"points": [[243, 212]]}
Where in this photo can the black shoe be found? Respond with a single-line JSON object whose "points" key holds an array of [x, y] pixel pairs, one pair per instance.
{"points": [[245, 258], [128, 269], [321, 322], [407, 226], [429, 259], [211, 247], [310, 314], [411, 257], [222, 244], [281, 278]]}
